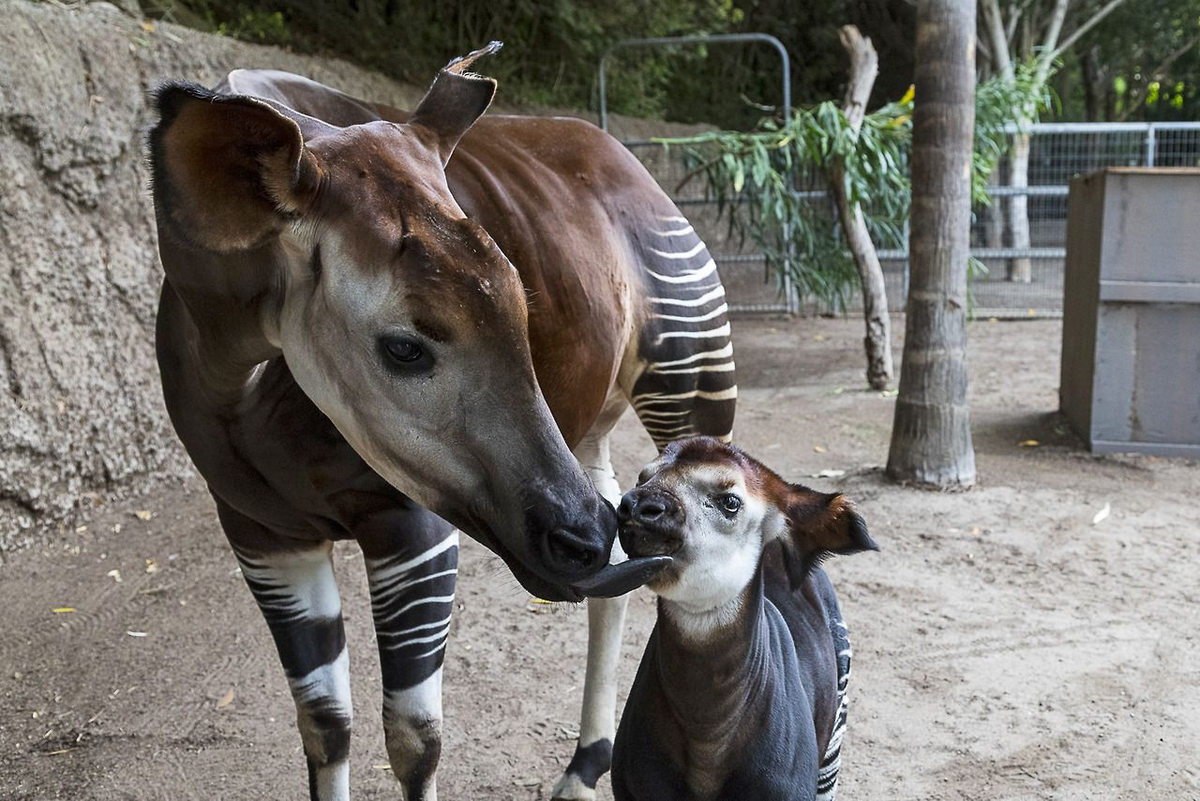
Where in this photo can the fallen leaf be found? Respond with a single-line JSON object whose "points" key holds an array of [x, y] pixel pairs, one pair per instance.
{"points": [[80, 529], [226, 700], [819, 337], [1103, 514], [136, 633], [829, 473], [151, 566], [63, 610], [1031, 313], [382, 767], [148, 26], [889, 393], [819, 448], [1029, 443], [57, 753], [540, 601], [993, 319], [143, 514], [115, 575]]}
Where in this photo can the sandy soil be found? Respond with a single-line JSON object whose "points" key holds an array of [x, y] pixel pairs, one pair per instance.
{"points": [[1005, 645]]}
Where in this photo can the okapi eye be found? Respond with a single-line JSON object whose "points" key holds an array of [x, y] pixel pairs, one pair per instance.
{"points": [[403, 350], [730, 504]]}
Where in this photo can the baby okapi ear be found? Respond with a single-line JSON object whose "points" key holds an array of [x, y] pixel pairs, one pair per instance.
{"points": [[228, 170], [455, 100], [819, 525]]}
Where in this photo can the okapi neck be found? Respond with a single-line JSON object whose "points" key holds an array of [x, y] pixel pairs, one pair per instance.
{"points": [[227, 339], [711, 680]]}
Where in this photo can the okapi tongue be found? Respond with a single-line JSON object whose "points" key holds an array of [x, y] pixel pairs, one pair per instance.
{"points": [[619, 579]]}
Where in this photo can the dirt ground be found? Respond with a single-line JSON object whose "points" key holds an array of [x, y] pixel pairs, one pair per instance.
{"points": [[1006, 645]]}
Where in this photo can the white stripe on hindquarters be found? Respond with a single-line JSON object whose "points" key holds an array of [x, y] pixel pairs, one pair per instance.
{"points": [[690, 277], [680, 254], [707, 297], [717, 312]]}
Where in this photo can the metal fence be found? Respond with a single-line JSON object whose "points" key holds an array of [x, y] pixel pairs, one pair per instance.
{"points": [[1058, 152]]}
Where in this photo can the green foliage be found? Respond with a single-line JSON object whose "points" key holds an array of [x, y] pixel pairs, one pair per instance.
{"points": [[755, 177], [1000, 104], [553, 49]]}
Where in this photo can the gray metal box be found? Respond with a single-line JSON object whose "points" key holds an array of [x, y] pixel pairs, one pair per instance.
{"points": [[1131, 311]]}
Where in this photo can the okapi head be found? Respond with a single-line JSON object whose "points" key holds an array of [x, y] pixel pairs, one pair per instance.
{"points": [[398, 316], [712, 508]]}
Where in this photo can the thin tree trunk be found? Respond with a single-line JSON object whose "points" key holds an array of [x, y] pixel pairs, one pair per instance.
{"points": [[864, 66], [931, 435], [993, 215], [1019, 269]]}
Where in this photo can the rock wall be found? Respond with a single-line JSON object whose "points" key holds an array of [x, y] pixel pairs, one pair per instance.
{"points": [[81, 416], [82, 421]]}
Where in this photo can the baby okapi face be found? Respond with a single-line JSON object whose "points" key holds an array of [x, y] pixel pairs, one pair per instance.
{"points": [[712, 508]]}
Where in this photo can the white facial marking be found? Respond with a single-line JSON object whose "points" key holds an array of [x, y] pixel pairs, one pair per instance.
{"points": [[726, 526]]}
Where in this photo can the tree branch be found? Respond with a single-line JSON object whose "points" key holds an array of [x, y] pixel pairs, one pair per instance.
{"points": [[994, 23], [1050, 41], [1083, 29]]}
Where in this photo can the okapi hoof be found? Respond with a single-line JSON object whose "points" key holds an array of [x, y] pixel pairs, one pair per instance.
{"points": [[578, 783]]}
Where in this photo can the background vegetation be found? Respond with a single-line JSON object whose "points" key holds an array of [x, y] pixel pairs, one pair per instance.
{"points": [[1142, 61]]}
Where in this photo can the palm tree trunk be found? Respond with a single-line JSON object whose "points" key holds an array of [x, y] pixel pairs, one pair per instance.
{"points": [[931, 434]]}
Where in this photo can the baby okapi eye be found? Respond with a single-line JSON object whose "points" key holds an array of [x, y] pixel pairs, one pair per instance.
{"points": [[729, 503]]}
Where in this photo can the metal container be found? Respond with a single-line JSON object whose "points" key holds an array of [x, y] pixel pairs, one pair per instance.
{"points": [[1130, 378]]}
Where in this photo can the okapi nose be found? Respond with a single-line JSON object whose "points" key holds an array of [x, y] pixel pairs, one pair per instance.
{"points": [[570, 554], [638, 507]]}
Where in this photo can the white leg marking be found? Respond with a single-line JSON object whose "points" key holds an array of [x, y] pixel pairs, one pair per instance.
{"points": [[306, 587], [412, 724], [327, 687], [606, 620]]}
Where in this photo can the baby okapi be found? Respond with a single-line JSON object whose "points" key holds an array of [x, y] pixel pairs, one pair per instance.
{"points": [[741, 692]]}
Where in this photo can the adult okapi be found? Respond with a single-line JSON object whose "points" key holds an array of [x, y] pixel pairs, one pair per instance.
{"points": [[363, 337]]}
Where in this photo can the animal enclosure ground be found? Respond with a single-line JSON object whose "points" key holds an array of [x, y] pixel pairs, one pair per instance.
{"points": [[1006, 646]]}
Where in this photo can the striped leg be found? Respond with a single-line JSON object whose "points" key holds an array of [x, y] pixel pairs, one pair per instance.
{"points": [[827, 778], [412, 597], [606, 622], [294, 585]]}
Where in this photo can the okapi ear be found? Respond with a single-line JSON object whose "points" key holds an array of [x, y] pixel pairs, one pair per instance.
{"points": [[455, 100], [228, 170], [819, 525]]}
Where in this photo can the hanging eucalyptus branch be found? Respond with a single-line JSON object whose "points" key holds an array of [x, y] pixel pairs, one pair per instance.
{"points": [[771, 184]]}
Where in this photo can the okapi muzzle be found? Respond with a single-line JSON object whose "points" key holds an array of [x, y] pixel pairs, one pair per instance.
{"points": [[398, 316]]}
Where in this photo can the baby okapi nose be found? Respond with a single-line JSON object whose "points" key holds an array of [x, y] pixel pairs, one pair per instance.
{"points": [[571, 555], [641, 507]]}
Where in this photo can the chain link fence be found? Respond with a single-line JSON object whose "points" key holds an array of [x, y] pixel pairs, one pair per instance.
{"points": [[1057, 153]]}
